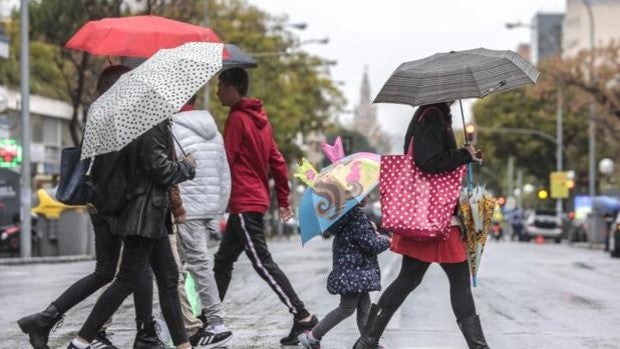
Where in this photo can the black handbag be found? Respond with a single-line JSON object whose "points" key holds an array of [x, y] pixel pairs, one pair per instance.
{"points": [[74, 186]]}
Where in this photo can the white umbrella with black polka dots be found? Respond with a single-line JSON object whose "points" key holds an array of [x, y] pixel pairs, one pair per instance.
{"points": [[147, 95]]}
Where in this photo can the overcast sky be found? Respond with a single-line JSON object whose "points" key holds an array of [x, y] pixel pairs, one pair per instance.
{"points": [[383, 34]]}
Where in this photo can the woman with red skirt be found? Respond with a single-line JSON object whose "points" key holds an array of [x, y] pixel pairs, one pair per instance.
{"points": [[435, 151]]}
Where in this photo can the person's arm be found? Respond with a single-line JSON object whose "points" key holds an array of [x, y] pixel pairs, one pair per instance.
{"points": [[233, 136], [430, 153], [156, 162], [279, 171], [176, 204], [368, 240], [225, 178]]}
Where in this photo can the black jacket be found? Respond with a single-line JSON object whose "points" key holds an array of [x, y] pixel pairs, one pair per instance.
{"points": [[434, 144], [152, 173], [355, 249]]}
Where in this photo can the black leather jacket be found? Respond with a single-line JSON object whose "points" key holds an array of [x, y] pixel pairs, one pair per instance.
{"points": [[152, 173]]}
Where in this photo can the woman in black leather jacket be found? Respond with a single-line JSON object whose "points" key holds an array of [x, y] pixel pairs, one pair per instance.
{"points": [[145, 223]]}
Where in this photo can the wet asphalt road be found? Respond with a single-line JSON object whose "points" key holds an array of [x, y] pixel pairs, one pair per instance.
{"points": [[530, 296]]}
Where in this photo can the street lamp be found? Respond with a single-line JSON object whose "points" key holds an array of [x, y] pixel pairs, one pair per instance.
{"points": [[559, 129], [591, 124]]}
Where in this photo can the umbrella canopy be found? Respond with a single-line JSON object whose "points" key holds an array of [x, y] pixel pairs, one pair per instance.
{"points": [[136, 36], [237, 58], [454, 75], [335, 191], [147, 95]]}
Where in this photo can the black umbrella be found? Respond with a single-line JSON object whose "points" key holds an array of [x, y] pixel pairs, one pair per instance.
{"points": [[237, 58]]}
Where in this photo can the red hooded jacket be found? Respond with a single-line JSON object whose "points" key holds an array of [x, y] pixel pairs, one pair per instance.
{"points": [[252, 155]]}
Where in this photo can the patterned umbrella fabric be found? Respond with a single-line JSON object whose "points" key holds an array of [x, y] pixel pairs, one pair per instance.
{"points": [[476, 208], [456, 75], [335, 191], [148, 95]]}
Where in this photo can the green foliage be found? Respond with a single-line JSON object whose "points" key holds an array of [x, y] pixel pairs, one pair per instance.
{"points": [[296, 88], [535, 108]]}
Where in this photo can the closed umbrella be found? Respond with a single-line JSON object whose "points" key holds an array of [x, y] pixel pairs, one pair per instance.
{"points": [[147, 95]]}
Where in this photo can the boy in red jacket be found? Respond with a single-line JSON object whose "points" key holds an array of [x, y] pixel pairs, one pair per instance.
{"points": [[252, 155]]}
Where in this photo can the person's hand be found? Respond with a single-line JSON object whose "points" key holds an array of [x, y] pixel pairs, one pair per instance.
{"points": [[181, 219], [190, 160], [286, 213], [476, 155], [374, 226]]}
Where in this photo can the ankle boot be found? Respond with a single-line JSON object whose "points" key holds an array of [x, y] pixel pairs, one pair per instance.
{"points": [[378, 319], [472, 331], [38, 326], [147, 337]]}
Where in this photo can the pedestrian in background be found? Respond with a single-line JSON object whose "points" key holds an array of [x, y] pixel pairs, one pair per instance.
{"points": [[205, 198], [107, 250], [435, 151], [253, 155], [355, 272]]}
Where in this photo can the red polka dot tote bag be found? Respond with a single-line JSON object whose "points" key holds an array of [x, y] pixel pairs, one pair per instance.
{"points": [[415, 204]]}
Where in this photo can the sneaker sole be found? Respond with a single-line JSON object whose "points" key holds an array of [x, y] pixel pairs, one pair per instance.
{"points": [[216, 345]]}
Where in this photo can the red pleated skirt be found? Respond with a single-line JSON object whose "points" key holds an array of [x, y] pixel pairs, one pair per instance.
{"points": [[451, 250]]}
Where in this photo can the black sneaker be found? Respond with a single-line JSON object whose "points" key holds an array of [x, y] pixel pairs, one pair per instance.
{"points": [[71, 346], [102, 341], [207, 338], [297, 329]]}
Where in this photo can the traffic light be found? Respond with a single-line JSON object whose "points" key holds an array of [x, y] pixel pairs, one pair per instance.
{"points": [[543, 194], [471, 134], [570, 184]]}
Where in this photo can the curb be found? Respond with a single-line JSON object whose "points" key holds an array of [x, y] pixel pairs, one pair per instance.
{"points": [[48, 260], [588, 245]]}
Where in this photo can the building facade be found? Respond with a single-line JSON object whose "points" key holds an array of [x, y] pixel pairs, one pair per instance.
{"points": [[576, 25], [546, 36]]}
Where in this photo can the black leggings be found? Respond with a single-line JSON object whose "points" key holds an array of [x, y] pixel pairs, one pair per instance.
{"points": [[138, 254], [107, 249], [410, 276]]}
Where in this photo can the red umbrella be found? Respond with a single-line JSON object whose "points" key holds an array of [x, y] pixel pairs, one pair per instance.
{"points": [[137, 36]]}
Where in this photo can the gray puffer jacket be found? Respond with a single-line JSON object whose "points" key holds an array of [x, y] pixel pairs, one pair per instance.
{"points": [[206, 196]]}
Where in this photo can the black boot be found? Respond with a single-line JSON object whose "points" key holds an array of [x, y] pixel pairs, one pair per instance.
{"points": [[38, 326], [472, 331], [376, 323], [147, 337]]}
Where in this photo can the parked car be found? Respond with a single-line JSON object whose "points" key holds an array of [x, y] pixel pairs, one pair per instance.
{"points": [[543, 223]]}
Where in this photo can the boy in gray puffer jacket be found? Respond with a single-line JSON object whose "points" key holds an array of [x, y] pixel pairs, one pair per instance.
{"points": [[205, 199]]}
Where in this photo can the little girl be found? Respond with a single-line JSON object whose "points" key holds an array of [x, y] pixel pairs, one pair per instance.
{"points": [[355, 272]]}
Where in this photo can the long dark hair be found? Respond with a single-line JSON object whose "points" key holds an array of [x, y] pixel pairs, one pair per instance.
{"points": [[444, 107]]}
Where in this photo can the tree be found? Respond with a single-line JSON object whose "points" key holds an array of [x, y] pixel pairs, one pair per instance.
{"points": [[295, 86], [56, 72], [535, 108], [575, 72]]}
